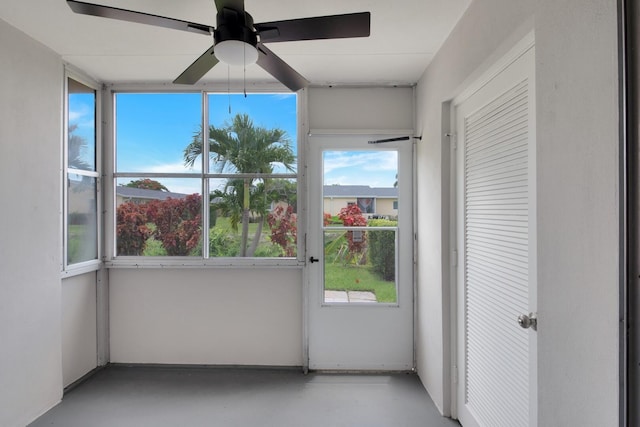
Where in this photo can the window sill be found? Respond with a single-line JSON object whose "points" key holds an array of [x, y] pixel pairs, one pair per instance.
{"points": [[79, 269], [201, 263]]}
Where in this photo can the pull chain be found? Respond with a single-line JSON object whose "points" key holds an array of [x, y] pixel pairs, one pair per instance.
{"points": [[229, 86], [244, 75]]}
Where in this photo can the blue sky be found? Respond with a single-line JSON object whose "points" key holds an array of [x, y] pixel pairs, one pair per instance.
{"points": [[154, 129], [82, 114], [372, 168]]}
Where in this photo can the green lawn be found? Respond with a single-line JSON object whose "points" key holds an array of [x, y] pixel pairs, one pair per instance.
{"points": [[339, 277], [225, 223]]}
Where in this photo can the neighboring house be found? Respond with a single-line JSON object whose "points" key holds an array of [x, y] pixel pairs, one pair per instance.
{"points": [[141, 195], [372, 201]]}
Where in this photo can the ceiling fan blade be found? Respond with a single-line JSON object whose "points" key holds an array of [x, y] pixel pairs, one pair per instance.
{"points": [[321, 27], [139, 17], [279, 69], [230, 4], [198, 69]]}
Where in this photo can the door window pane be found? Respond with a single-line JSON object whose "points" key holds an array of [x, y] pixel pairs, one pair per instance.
{"points": [[360, 226]]}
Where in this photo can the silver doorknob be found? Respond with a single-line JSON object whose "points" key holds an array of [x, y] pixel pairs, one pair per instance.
{"points": [[530, 321]]}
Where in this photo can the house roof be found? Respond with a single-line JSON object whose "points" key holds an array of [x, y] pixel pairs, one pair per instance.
{"points": [[360, 191], [350, 191], [141, 193]]}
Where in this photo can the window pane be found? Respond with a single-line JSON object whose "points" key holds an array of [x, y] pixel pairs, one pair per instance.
{"points": [[81, 126], [82, 244], [262, 225], [252, 134], [158, 132], [159, 217], [366, 205]]}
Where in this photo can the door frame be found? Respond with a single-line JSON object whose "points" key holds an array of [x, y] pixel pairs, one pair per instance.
{"points": [[629, 300], [449, 108]]}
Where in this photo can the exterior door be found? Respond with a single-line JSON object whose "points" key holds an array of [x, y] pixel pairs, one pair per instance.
{"points": [[496, 265], [360, 249]]}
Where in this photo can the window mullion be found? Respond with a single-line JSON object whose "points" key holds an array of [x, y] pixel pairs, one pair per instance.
{"points": [[205, 171]]}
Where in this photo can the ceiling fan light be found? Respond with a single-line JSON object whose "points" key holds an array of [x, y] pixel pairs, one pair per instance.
{"points": [[235, 52]]}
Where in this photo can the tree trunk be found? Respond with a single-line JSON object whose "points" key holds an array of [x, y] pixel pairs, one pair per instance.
{"points": [[245, 219], [245, 233], [256, 238]]}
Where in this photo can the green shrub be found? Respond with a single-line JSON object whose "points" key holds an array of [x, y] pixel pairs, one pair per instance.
{"points": [[213, 215], [269, 251], [153, 247], [223, 244], [382, 248], [334, 220]]}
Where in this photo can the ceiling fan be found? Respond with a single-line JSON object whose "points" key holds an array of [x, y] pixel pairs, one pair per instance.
{"points": [[238, 41]]}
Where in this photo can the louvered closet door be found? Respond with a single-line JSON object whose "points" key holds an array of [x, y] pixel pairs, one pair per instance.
{"points": [[496, 272]]}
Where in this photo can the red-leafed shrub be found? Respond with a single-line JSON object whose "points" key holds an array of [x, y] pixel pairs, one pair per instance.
{"points": [[178, 223], [283, 224], [131, 228], [351, 216], [326, 218]]}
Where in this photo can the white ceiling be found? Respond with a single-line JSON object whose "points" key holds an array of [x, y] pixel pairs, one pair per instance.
{"points": [[405, 35]]}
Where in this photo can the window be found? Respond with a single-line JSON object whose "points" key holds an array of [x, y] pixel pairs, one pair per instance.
{"points": [[233, 196], [81, 176], [367, 205]]}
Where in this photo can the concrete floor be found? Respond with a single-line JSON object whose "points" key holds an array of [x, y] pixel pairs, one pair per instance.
{"points": [[120, 396]]}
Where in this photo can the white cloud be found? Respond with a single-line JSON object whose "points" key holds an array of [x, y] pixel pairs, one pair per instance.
{"points": [[283, 95], [373, 168], [79, 112], [176, 167]]}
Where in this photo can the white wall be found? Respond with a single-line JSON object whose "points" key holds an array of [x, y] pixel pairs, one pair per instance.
{"points": [[482, 34], [30, 248], [364, 108], [79, 340], [206, 316], [577, 192]]}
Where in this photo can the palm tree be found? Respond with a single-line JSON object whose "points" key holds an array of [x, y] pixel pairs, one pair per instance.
{"points": [[241, 147], [229, 202]]}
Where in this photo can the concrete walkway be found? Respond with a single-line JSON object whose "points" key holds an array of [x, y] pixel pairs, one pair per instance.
{"points": [[349, 296]]}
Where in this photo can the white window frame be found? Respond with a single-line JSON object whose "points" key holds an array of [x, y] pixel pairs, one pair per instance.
{"points": [[68, 270], [109, 185]]}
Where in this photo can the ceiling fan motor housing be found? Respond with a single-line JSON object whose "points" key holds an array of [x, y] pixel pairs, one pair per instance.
{"points": [[234, 25]]}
